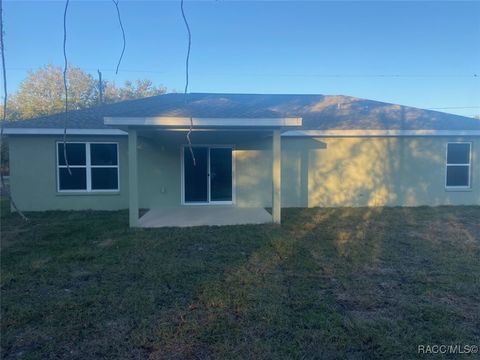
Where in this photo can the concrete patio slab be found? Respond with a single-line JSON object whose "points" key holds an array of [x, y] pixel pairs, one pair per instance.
{"points": [[204, 215]]}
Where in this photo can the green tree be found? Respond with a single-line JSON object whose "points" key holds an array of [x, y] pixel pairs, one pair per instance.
{"points": [[42, 92], [130, 91]]}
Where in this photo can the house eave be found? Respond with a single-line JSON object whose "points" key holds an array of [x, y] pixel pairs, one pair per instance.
{"points": [[378, 133], [288, 133], [60, 131], [205, 123]]}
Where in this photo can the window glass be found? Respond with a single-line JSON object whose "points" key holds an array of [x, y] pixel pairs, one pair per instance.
{"points": [[76, 154], [104, 178], [458, 154], [457, 176], [103, 154], [77, 180], [221, 174], [101, 166], [196, 178]]}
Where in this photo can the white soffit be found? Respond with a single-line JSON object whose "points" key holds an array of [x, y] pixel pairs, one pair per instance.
{"points": [[166, 121], [58, 131], [290, 133]]}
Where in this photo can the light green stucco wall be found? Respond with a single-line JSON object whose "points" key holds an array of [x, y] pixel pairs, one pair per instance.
{"points": [[33, 178], [159, 167], [315, 172], [158, 174], [379, 171]]}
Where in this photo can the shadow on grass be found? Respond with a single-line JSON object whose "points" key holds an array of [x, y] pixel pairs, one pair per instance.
{"points": [[328, 283], [335, 283], [84, 284]]}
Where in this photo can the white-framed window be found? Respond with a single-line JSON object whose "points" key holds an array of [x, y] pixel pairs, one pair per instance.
{"points": [[94, 166], [459, 163]]}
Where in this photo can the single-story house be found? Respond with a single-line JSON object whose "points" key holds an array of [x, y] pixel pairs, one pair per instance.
{"points": [[249, 151]]}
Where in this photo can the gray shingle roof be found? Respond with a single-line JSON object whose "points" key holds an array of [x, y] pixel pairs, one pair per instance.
{"points": [[319, 112]]}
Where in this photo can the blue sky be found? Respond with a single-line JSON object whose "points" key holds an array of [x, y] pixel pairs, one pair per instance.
{"points": [[422, 54]]}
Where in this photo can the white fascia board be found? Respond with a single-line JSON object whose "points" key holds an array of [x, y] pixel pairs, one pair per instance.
{"points": [[57, 131], [172, 121], [378, 133]]}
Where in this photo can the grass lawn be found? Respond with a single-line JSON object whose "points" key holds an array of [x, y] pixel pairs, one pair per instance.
{"points": [[328, 283]]}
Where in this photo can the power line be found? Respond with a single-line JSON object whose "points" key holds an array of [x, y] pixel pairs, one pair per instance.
{"points": [[95, 69], [284, 74], [453, 107], [350, 75]]}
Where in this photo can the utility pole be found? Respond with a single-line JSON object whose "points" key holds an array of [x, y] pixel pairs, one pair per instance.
{"points": [[100, 88]]}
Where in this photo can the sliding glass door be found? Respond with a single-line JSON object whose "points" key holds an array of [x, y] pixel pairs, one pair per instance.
{"points": [[209, 179], [196, 175]]}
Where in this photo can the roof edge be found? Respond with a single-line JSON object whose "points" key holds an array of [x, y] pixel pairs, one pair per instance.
{"points": [[289, 133], [378, 133], [59, 131]]}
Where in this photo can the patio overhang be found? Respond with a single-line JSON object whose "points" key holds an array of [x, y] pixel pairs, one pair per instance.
{"points": [[132, 125], [179, 123], [171, 122]]}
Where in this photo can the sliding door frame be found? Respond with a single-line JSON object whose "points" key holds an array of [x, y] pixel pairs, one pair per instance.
{"points": [[184, 148]]}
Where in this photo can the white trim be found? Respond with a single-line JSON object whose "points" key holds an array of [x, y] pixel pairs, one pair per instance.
{"points": [[378, 133], [88, 163], [169, 121], [290, 133], [88, 166], [58, 131], [209, 177], [469, 165], [182, 175], [234, 176]]}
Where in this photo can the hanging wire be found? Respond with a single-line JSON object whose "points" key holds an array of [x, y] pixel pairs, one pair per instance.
{"points": [[453, 107], [187, 59], [65, 68], [115, 2], [4, 116]]}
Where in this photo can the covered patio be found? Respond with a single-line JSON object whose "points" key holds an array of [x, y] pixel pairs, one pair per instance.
{"points": [[187, 216], [184, 213]]}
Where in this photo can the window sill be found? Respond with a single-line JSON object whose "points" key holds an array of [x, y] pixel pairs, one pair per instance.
{"points": [[452, 189], [87, 193]]}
